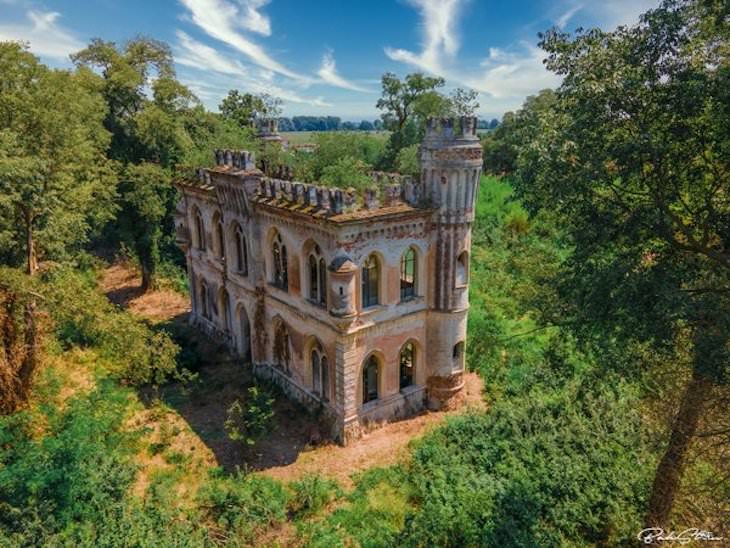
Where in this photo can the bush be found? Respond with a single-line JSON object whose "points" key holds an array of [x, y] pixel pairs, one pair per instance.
{"points": [[243, 504], [70, 478], [248, 422], [311, 494], [135, 353]]}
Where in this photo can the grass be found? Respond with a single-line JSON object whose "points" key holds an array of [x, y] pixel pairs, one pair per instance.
{"points": [[301, 137]]}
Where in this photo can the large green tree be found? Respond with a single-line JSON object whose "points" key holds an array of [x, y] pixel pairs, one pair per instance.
{"points": [[56, 183], [147, 111], [246, 108], [635, 161]]}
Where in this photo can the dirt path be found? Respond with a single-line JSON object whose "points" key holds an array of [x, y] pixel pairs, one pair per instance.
{"points": [[282, 455], [382, 447], [121, 283]]}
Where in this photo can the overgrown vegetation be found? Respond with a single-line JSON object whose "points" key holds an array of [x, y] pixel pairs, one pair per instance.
{"points": [[249, 421]]}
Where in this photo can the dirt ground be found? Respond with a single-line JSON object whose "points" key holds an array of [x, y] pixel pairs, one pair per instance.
{"points": [[284, 453]]}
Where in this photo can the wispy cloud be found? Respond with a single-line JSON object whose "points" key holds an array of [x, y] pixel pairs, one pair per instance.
{"points": [[567, 16], [46, 37], [328, 73], [440, 34], [233, 74], [224, 21], [506, 76]]}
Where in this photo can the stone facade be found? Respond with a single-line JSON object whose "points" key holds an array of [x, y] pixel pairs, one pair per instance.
{"points": [[355, 304]]}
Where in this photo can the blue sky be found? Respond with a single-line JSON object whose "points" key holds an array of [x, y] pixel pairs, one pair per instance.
{"points": [[325, 56]]}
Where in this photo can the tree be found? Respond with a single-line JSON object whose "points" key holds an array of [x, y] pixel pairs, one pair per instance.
{"points": [[246, 108], [147, 196], [406, 106], [144, 131], [400, 98], [502, 146], [464, 102], [634, 159], [56, 184]]}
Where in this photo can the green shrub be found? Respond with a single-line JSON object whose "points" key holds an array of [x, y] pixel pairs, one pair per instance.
{"points": [[311, 494], [135, 352], [243, 504], [247, 422]]}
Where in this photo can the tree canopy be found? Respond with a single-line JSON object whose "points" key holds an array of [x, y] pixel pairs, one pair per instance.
{"points": [[56, 182]]}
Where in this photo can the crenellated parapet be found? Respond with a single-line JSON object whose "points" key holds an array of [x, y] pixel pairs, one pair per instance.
{"points": [[450, 129], [237, 159], [388, 190]]}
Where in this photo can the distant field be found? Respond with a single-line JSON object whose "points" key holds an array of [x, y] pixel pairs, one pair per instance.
{"points": [[300, 137]]}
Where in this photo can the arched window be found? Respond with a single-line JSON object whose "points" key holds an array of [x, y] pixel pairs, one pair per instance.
{"points": [[225, 309], [204, 306], [241, 251], [317, 277], [320, 372], [458, 355], [316, 373], [370, 380], [282, 354], [313, 279], [199, 230], [370, 281], [322, 283], [408, 275], [325, 379], [407, 365], [220, 240], [462, 269], [278, 250]]}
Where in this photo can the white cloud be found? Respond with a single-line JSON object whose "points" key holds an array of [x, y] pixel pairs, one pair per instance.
{"points": [[440, 35], [567, 16], [46, 37], [223, 21], [506, 77], [328, 74], [232, 74], [253, 19], [513, 74]]}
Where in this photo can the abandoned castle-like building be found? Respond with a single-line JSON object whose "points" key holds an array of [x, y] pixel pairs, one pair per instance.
{"points": [[353, 303]]}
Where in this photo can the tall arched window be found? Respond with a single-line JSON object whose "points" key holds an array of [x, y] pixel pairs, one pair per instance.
{"points": [[282, 354], [278, 250], [317, 277], [199, 230], [204, 305], [462, 269], [320, 372], [370, 380], [325, 378], [370, 281], [408, 275], [407, 365], [220, 240], [241, 251], [313, 279], [225, 309], [316, 373]]}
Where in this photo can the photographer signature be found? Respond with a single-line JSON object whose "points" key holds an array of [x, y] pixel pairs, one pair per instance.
{"points": [[657, 534]]}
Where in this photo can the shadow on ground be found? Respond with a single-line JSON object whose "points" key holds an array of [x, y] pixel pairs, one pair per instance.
{"points": [[221, 380]]}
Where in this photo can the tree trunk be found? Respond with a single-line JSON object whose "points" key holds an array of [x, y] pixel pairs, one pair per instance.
{"points": [[32, 259], [148, 278], [670, 469]]}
